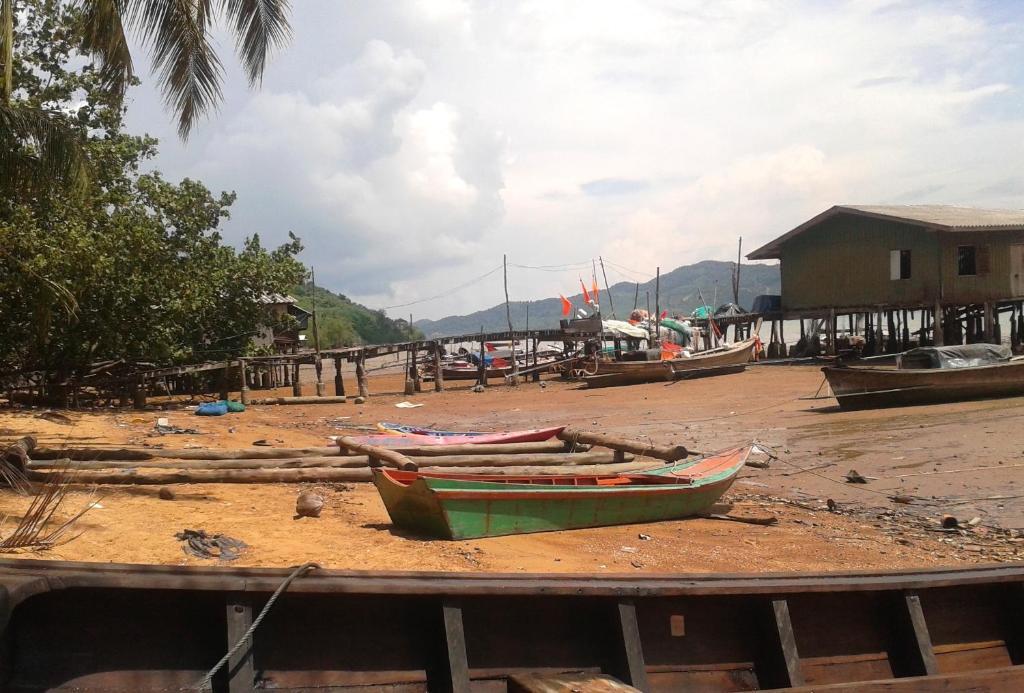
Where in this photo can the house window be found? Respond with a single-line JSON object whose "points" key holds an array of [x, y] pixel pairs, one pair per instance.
{"points": [[966, 260], [899, 264]]}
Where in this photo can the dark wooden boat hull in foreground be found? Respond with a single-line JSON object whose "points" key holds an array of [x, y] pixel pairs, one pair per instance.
{"points": [[102, 628], [868, 388]]}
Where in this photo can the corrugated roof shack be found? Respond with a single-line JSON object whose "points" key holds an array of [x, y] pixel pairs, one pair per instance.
{"points": [[876, 264]]}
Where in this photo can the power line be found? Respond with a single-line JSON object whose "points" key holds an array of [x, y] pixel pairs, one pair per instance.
{"points": [[446, 293]]}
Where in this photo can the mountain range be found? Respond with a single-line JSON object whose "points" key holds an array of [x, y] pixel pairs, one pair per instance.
{"points": [[680, 292]]}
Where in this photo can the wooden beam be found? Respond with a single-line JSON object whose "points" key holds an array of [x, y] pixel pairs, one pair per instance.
{"points": [[241, 673], [456, 665], [920, 648], [629, 666]]}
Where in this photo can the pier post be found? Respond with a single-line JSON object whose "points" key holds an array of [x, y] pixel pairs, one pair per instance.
{"points": [[938, 338], [989, 322], [364, 389], [296, 382], [339, 382], [243, 366], [438, 368]]}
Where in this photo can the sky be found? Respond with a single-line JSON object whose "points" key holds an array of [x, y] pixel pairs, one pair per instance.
{"points": [[412, 143]]}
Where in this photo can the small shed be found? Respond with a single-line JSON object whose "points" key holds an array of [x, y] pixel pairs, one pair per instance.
{"points": [[955, 263], [287, 321]]}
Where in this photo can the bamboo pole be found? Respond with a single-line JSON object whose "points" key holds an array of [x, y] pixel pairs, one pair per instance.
{"points": [[378, 455], [508, 315], [668, 453], [316, 474], [346, 462], [327, 399]]}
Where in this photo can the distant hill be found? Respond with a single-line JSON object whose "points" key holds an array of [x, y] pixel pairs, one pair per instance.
{"points": [[343, 322], [678, 295]]}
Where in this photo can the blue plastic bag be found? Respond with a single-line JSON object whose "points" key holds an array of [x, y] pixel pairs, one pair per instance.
{"points": [[212, 409]]}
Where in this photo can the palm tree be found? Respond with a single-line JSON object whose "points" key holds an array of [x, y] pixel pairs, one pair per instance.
{"points": [[190, 74]]}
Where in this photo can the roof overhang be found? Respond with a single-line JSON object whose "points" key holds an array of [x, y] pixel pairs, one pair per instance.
{"points": [[773, 249]]}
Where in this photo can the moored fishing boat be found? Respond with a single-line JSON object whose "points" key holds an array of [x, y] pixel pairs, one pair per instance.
{"points": [[463, 506], [929, 375], [402, 440], [635, 372]]}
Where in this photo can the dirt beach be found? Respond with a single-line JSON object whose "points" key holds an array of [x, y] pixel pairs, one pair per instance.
{"points": [[963, 459]]}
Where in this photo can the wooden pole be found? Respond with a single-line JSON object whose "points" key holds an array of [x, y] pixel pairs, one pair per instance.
{"points": [[607, 289], [736, 276], [339, 381], [378, 455], [938, 336], [296, 381], [482, 367], [438, 367], [508, 314], [243, 395], [636, 296], [317, 364], [668, 453], [657, 303], [364, 388]]}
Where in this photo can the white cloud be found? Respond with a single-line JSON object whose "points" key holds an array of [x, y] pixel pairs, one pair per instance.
{"points": [[412, 143]]}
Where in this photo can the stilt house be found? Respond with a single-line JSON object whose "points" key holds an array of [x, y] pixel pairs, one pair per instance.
{"points": [[958, 265]]}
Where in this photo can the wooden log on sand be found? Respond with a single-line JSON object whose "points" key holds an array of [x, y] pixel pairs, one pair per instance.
{"points": [[268, 453], [294, 476], [550, 446], [343, 462], [17, 453], [378, 456], [668, 453], [326, 399]]}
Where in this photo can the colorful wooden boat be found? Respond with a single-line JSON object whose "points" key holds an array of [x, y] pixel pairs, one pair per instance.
{"points": [[636, 372], [113, 628], [405, 440], [391, 428], [871, 387], [465, 506]]}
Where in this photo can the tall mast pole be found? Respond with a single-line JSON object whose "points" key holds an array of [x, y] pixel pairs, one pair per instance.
{"points": [[508, 315], [316, 338], [607, 289]]}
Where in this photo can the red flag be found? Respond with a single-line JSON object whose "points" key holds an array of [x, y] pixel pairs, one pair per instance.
{"points": [[586, 294], [593, 290], [566, 306], [664, 314]]}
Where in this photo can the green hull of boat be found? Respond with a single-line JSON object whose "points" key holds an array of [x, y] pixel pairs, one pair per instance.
{"points": [[432, 507]]}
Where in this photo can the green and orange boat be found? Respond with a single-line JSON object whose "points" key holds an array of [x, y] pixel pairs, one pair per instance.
{"points": [[469, 506]]}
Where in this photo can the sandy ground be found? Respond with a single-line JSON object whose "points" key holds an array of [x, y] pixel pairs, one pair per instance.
{"points": [[965, 459]]}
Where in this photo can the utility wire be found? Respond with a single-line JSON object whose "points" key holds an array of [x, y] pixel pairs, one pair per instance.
{"points": [[460, 287]]}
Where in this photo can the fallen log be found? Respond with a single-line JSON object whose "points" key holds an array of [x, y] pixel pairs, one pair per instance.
{"points": [[268, 453], [553, 445], [16, 454], [668, 453], [378, 456], [338, 462], [315, 474], [343, 461], [340, 399], [138, 454]]}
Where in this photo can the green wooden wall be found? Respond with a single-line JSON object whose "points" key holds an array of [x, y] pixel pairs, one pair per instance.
{"points": [[844, 263]]}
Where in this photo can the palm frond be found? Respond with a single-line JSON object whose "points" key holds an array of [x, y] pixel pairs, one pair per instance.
{"points": [[260, 27], [103, 37], [39, 147], [36, 530], [190, 73]]}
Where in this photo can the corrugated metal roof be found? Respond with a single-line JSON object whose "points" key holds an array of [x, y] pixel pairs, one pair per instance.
{"points": [[271, 299], [932, 217]]}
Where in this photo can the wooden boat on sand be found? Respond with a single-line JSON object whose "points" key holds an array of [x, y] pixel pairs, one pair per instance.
{"points": [[405, 440], [112, 628], [929, 375], [717, 362], [465, 506]]}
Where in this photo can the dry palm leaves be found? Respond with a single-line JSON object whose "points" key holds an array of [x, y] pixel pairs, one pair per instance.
{"points": [[13, 461], [38, 530]]}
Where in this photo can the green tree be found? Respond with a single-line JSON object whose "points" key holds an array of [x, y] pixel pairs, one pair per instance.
{"points": [[134, 268], [39, 146]]}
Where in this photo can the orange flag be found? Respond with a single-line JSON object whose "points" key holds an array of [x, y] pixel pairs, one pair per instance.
{"points": [[586, 294], [566, 306], [593, 290]]}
